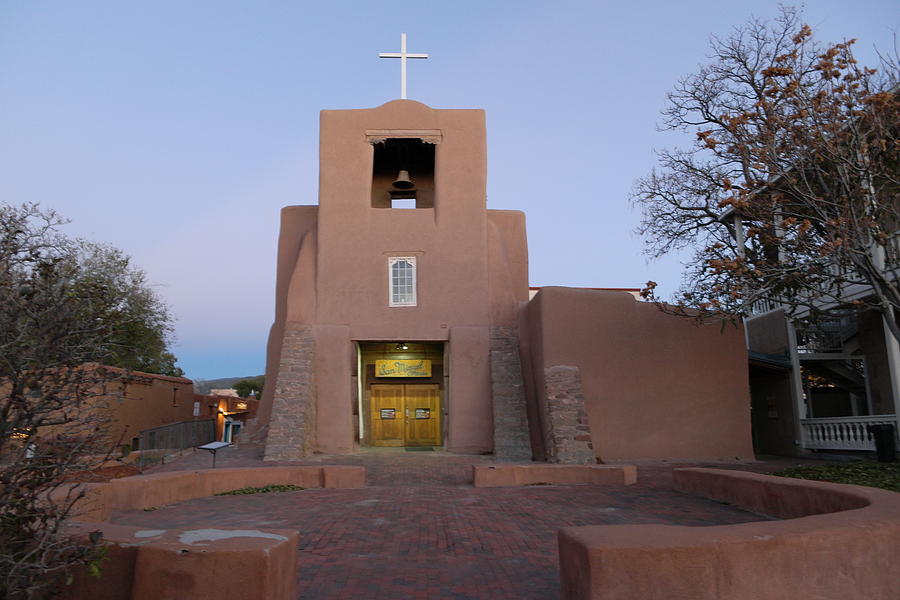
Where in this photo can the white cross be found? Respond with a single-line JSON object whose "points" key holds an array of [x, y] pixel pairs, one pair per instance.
{"points": [[402, 55]]}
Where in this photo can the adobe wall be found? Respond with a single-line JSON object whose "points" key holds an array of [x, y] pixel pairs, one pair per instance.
{"points": [[838, 541], [295, 263], [470, 422], [150, 401], [332, 282], [449, 241], [653, 385], [160, 489], [201, 564], [334, 361], [507, 265]]}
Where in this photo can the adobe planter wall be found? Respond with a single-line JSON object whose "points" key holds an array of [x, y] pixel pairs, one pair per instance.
{"points": [[838, 541], [159, 489], [203, 563]]}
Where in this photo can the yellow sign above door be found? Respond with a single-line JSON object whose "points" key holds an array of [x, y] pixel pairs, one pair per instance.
{"points": [[402, 368]]}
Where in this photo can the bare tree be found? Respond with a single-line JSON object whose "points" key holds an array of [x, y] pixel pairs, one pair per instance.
{"points": [[789, 192], [58, 320]]}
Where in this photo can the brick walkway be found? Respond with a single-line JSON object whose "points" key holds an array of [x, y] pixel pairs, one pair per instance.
{"points": [[420, 531]]}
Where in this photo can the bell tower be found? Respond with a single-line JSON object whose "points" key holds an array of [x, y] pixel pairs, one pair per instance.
{"points": [[400, 261]]}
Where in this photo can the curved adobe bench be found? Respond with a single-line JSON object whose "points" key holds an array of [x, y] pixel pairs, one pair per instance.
{"points": [[160, 489], [143, 563], [203, 564], [838, 541]]}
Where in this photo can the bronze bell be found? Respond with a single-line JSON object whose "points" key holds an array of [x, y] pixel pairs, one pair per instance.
{"points": [[403, 182]]}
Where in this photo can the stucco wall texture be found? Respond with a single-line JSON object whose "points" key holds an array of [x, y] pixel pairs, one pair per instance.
{"points": [[835, 542], [132, 401], [151, 401], [653, 385], [332, 271], [192, 563]]}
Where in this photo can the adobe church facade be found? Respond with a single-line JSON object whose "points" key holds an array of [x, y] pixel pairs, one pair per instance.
{"points": [[403, 319]]}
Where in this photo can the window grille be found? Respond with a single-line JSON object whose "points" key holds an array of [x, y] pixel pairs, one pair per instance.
{"points": [[402, 281]]}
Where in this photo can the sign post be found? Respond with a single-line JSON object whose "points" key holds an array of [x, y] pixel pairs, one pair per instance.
{"points": [[214, 447]]}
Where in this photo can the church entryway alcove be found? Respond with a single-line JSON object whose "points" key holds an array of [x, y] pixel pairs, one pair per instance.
{"points": [[401, 394]]}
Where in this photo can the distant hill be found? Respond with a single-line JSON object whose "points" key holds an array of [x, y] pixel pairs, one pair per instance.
{"points": [[202, 386]]}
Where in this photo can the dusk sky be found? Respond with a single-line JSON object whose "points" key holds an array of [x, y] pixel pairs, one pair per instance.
{"points": [[177, 131]]}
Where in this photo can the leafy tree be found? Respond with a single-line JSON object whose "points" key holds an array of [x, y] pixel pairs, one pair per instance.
{"points": [[65, 306], [250, 385], [140, 322], [789, 191]]}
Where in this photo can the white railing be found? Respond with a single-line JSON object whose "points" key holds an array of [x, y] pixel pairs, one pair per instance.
{"points": [[764, 305], [842, 433]]}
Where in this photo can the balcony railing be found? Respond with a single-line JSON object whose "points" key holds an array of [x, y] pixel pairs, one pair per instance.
{"points": [[843, 433], [828, 335], [764, 305], [853, 284]]}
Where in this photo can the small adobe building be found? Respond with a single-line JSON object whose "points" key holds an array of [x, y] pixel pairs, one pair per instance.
{"points": [[122, 403], [230, 412], [403, 318], [148, 400]]}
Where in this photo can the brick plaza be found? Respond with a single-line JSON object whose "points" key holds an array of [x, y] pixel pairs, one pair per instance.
{"points": [[419, 530]]}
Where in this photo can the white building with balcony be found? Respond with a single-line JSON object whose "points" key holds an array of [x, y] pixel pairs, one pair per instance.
{"points": [[819, 387]]}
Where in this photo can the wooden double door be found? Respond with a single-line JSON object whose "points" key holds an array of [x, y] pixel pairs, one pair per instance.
{"points": [[405, 414]]}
